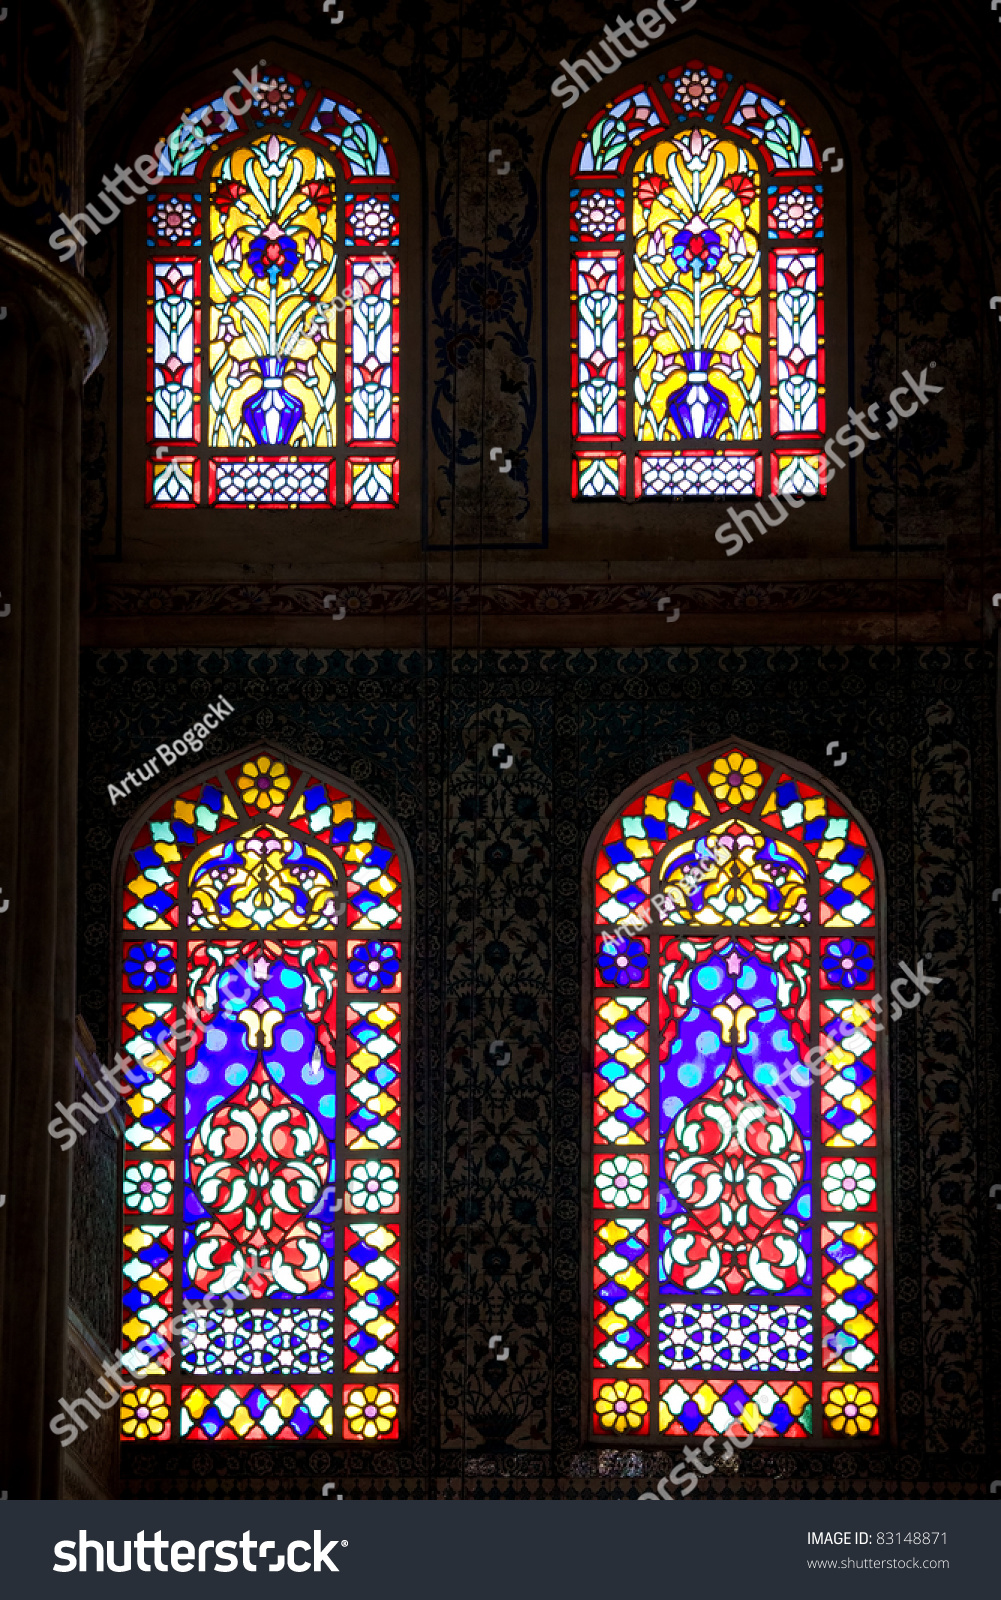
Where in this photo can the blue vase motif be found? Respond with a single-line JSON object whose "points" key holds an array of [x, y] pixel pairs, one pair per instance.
{"points": [[272, 414], [698, 409]]}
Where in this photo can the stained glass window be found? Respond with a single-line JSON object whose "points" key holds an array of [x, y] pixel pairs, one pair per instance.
{"points": [[261, 1004], [697, 331], [737, 1175], [273, 293]]}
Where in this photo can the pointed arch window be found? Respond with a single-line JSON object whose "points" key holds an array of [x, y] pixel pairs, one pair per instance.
{"points": [[737, 1179], [697, 324], [263, 963], [273, 292]]}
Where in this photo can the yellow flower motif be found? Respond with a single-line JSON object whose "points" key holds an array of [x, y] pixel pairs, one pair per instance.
{"points": [[735, 777], [264, 783], [621, 1405], [144, 1413], [851, 1409], [370, 1411]]}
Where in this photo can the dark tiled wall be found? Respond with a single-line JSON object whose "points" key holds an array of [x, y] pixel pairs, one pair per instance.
{"points": [[498, 857]]}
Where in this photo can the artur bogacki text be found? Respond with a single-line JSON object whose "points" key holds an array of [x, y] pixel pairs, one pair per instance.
{"points": [[191, 740]]}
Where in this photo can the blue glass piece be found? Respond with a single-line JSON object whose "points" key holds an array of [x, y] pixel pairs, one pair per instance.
{"points": [[631, 1026], [857, 1074], [631, 1248], [363, 1253], [257, 1402], [735, 1399], [781, 1417], [272, 414], [612, 1293], [628, 1338], [839, 1117], [690, 1417], [699, 409], [361, 1342]]}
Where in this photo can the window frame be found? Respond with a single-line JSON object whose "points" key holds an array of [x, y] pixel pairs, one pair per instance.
{"points": [[340, 1379], [243, 541], [199, 186], [770, 441], [594, 1372], [682, 527]]}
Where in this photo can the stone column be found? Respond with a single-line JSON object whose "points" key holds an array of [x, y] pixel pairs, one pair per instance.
{"points": [[52, 334]]}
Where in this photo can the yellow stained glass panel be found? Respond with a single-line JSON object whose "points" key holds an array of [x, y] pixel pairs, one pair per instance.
{"points": [[272, 334], [697, 300]]}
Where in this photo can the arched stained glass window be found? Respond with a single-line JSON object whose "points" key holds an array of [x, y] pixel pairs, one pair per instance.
{"points": [[273, 306], [738, 1180], [262, 1004], [697, 276]]}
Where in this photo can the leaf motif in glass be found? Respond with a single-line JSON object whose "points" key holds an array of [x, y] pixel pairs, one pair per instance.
{"points": [[606, 145], [362, 149], [785, 141], [696, 291], [273, 258]]}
